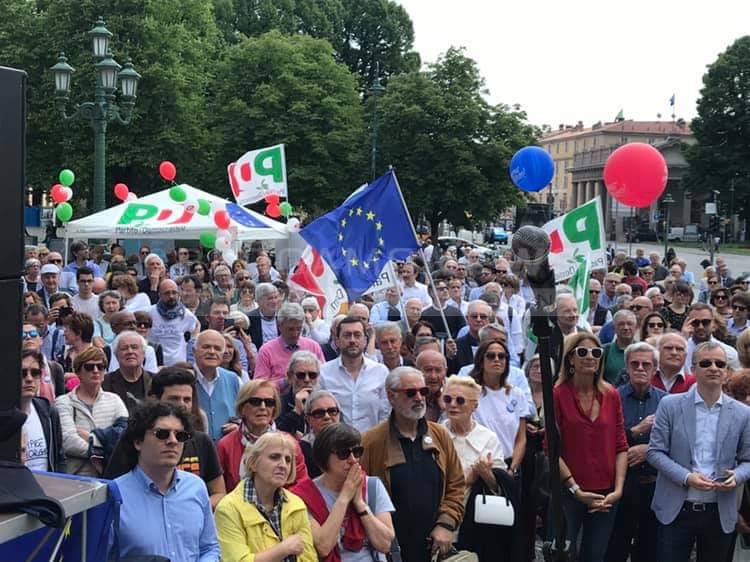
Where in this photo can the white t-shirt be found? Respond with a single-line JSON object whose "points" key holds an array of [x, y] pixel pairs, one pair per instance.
{"points": [[171, 334], [88, 306], [149, 361], [502, 412], [139, 301], [36, 446]]}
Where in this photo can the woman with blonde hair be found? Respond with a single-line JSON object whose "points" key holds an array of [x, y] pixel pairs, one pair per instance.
{"points": [[743, 349], [260, 520], [593, 445]]}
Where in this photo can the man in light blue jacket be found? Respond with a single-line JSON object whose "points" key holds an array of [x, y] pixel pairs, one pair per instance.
{"points": [[700, 445]]}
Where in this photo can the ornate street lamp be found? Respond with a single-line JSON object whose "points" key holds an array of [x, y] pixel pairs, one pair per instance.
{"points": [[103, 109]]}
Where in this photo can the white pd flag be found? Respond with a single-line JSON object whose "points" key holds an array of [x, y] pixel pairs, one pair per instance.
{"points": [[258, 173]]}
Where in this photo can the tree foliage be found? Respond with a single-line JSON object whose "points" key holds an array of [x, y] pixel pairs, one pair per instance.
{"points": [[449, 146], [719, 158], [288, 89]]}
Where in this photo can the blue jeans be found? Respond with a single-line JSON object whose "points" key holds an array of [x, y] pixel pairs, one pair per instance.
{"points": [[702, 528], [597, 528]]}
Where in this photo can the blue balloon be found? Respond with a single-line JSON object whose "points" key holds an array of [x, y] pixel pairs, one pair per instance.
{"points": [[532, 168]]}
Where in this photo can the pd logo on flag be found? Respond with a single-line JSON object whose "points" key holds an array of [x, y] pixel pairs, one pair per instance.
{"points": [[579, 232], [258, 173]]}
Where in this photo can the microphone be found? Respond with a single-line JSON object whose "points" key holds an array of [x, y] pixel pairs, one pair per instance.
{"points": [[531, 245]]}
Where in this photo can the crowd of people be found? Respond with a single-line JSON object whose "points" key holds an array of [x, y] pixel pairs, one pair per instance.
{"points": [[239, 424]]}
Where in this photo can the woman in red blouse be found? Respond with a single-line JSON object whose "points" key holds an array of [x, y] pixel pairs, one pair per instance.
{"points": [[593, 446]]}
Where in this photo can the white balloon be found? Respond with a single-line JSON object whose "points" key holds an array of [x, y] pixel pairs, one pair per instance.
{"points": [[131, 197], [228, 255], [223, 244], [293, 224], [68, 193], [224, 234]]}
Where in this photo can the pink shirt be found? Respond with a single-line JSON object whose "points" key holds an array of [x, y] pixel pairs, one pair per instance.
{"points": [[274, 355]]}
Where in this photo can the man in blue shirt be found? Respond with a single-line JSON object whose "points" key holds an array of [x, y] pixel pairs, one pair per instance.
{"points": [[635, 529], [165, 511]]}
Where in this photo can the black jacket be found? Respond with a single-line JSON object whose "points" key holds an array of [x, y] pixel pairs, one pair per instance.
{"points": [[52, 430], [464, 355], [256, 328], [289, 420], [453, 317]]}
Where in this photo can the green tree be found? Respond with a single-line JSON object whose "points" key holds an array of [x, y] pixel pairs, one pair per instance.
{"points": [[289, 89], [718, 159], [449, 146]]}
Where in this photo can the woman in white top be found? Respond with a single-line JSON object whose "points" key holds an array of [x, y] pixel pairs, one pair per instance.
{"points": [[477, 447], [133, 300], [502, 407], [511, 296]]}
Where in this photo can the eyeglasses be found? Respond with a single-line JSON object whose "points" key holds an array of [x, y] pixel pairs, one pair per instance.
{"points": [[302, 375], [30, 334], [645, 365], [36, 373], [344, 454], [85, 281], [495, 355], [412, 392], [739, 307], [320, 413], [705, 322], [705, 363], [655, 324], [257, 402], [478, 316], [448, 399], [596, 352], [163, 434], [91, 367]]}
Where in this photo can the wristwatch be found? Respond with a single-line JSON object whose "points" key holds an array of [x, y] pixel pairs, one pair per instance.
{"points": [[573, 489], [447, 526]]}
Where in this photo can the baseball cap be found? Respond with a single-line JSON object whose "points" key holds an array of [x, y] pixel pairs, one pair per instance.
{"points": [[50, 268]]}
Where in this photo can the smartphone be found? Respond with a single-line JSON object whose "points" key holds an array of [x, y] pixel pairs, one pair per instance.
{"points": [[723, 479], [65, 311], [228, 323]]}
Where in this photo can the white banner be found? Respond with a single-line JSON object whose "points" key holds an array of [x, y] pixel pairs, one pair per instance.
{"points": [[258, 173], [313, 276]]}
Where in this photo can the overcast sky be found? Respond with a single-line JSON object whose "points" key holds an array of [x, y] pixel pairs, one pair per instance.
{"points": [[584, 59]]}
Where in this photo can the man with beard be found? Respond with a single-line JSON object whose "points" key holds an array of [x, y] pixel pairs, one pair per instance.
{"points": [[172, 323], [418, 464], [355, 380], [434, 367]]}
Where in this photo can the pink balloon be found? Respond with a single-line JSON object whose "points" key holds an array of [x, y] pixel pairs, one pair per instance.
{"points": [[636, 174], [57, 194], [121, 191], [221, 219], [167, 170]]}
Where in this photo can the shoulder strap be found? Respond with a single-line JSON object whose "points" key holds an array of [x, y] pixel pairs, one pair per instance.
{"points": [[372, 492], [510, 315]]}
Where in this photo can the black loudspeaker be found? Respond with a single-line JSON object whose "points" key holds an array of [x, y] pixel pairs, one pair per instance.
{"points": [[12, 184]]}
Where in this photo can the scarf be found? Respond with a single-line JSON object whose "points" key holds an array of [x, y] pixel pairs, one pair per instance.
{"points": [[354, 531], [177, 311]]}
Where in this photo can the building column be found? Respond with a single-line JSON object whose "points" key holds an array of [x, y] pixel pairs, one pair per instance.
{"points": [[574, 195]]}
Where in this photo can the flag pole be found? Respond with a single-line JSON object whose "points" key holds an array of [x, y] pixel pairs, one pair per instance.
{"points": [[421, 253]]}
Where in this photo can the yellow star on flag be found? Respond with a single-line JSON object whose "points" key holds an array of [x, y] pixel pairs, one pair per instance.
{"points": [[370, 215], [343, 222], [354, 261]]}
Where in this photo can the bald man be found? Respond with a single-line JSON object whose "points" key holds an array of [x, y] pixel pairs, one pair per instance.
{"points": [[172, 323], [217, 388]]}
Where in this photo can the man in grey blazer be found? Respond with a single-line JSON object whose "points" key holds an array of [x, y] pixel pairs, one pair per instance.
{"points": [[700, 445]]}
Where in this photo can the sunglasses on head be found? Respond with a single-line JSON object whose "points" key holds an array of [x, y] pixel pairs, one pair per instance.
{"points": [[256, 402], [705, 363], [596, 352], [494, 355], [91, 367], [448, 399], [302, 375], [412, 392], [320, 413], [30, 334], [36, 373], [344, 454], [163, 434], [705, 322]]}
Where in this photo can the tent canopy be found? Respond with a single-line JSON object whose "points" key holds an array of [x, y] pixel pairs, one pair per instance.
{"points": [[158, 216]]}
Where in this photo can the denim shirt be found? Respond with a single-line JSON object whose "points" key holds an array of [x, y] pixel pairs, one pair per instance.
{"points": [[634, 409]]}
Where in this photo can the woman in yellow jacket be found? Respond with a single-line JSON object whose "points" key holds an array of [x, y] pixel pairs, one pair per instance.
{"points": [[260, 521]]}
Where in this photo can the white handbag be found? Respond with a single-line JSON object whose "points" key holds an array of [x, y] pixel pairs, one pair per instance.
{"points": [[493, 510]]}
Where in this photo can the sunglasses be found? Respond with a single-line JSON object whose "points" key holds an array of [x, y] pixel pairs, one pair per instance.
{"points": [[30, 334], [501, 271], [478, 316], [320, 413], [705, 363], [302, 375], [412, 392], [713, 282], [36, 373], [247, 292], [705, 322], [448, 399], [91, 367], [645, 365], [54, 261], [495, 355], [655, 324], [593, 291], [596, 352], [163, 434], [738, 307], [721, 297], [258, 402], [344, 454]]}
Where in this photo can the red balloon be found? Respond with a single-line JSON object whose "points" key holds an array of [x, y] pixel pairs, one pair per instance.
{"points": [[273, 211], [57, 194], [167, 170], [636, 174], [221, 220], [121, 191], [272, 199]]}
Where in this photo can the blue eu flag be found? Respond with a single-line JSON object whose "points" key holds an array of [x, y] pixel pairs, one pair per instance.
{"points": [[358, 238]]}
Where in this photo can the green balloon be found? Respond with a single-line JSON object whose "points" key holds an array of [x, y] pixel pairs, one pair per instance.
{"points": [[64, 212], [177, 194], [204, 207], [67, 177], [208, 240], [285, 208]]}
